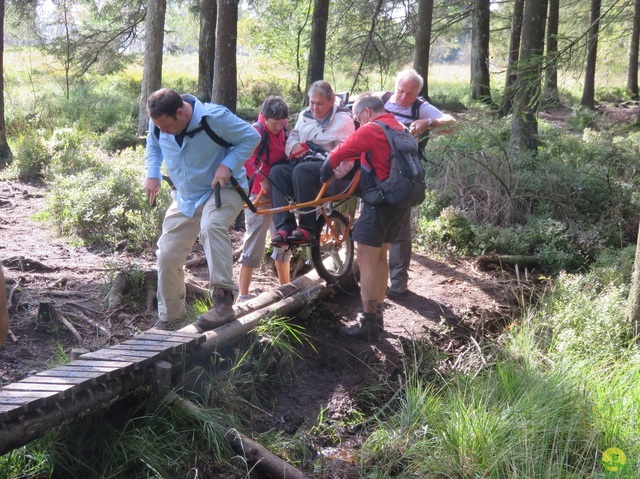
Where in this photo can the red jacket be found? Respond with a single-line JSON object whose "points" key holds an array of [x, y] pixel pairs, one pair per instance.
{"points": [[268, 159], [369, 139]]}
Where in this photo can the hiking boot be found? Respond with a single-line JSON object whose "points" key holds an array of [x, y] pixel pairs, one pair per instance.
{"points": [[168, 324], [397, 291], [379, 319], [367, 327], [221, 313], [279, 239]]}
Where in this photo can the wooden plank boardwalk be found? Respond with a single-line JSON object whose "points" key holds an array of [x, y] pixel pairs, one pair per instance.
{"points": [[50, 393]]}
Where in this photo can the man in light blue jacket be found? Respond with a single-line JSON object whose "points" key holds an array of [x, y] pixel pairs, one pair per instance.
{"points": [[202, 146]]}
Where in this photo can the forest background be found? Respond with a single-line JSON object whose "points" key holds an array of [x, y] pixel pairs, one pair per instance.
{"points": [[556, 390]]}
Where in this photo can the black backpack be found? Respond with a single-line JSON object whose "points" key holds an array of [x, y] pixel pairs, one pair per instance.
{"points": [[204, 125], [405, 186], [415, 115]]}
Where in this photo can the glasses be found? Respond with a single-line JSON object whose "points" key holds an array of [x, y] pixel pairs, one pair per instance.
{"points": [[359, 115]]}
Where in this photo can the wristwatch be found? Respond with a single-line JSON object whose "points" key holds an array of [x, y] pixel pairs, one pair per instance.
{"points": [[430, 122]]}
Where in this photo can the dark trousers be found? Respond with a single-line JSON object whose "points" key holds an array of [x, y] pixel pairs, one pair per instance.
{"points": [[300, 182], [400, 256]]}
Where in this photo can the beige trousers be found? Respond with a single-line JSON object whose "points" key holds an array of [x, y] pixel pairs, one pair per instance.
{"points": [[179, 233]]}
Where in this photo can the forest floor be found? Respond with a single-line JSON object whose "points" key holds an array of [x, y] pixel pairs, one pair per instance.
{"points": [[454, 305]]}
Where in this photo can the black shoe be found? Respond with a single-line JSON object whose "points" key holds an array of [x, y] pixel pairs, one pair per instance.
{"points": [[366, 328], [300, 237]]}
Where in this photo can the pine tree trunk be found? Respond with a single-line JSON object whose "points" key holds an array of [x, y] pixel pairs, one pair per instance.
{"points": [[514, 52], [5, 151], [225, 67], [479, 89], [588, 91], [318, 43], [551, 95], [423, 43], [152, 69], [206, 49], [524, 124], [632, 74]]}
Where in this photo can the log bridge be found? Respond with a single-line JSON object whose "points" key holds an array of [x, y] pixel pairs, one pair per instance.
{"points": [[34, 406]]}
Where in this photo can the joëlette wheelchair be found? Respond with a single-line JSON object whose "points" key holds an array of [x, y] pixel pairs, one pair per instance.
{"points": [[332, 251]]}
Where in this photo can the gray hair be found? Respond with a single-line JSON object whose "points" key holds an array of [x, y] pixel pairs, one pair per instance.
{"points": [[274, 107], [322, 87], [367, 100], [410, 74]]}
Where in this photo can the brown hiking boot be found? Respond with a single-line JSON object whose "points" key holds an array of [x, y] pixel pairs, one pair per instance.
{"points": [[367, 327], [221, 313]]}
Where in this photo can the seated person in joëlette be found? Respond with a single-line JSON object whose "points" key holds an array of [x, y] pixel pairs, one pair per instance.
{"points": [[325, 123], [271, 125]]}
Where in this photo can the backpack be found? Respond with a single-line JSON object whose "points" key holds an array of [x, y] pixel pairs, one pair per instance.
{"points": [[415, 115], [405, 186], [204, 125]]}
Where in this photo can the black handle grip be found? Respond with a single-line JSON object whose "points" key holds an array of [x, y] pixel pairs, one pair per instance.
{"points": [[216, 195], [243, 195]]}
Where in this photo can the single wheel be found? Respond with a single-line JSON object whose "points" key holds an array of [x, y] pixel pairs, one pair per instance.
{"points": [[332, 253]]}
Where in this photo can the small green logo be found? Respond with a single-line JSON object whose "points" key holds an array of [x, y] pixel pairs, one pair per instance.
{"points": [[614, 460]]}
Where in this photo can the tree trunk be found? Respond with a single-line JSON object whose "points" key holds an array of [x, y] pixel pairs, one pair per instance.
{"points": [[206, 49], [634, 294], [551, 95], [524, 125], [5, 151], [318, 44], [632, 75], [225, 76], [514, 51], [423, 43], [152, 69], [588, 91], [479, 89]]}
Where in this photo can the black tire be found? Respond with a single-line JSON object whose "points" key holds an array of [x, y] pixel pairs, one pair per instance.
{"points": [[333, 259]]}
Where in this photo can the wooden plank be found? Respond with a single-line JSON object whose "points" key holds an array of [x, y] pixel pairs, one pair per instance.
{"points": [[71, 381], [8, 412], [136, 353], [73, 372], [30, 400], [63, 390], [112, 368], [173, 336], [117, 356], [172, 348]]}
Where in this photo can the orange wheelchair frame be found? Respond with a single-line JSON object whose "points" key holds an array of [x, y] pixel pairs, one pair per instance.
{"points": [[332, 251]]}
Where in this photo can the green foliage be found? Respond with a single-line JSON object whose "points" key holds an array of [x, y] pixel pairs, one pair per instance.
{"points": [[451, 234], [30, 158], [588, 320], [581, 119], [106, 204]]}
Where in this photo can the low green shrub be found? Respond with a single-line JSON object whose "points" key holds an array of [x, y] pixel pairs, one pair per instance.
{"points": [[108, 205], [30, 157], [451, 234], [581, 118]]}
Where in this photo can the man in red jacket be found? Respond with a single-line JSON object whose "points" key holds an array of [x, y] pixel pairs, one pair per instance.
{"points": [[378, 225]]}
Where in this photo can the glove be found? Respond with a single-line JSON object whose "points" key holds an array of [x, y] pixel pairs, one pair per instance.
{"points": [[326, 170]]}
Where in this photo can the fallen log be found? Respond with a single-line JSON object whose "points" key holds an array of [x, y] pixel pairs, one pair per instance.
{"points": [[265, 462], [268, 464], [491, 261]]}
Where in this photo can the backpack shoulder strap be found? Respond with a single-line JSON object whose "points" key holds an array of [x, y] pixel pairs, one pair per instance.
{"points": [[415, 108], [264, 141], [213, 135], [385, 96]]}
